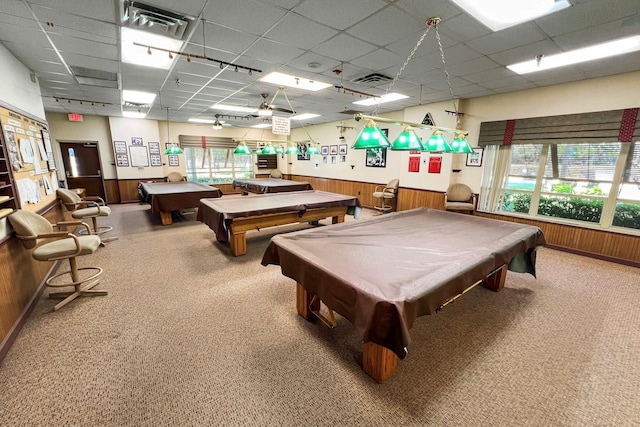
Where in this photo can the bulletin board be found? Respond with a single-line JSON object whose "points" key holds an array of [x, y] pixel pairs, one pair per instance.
{"points": [[29, 160], [139, 156]]}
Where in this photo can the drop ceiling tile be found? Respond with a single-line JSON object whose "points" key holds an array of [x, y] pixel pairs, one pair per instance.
{"points": [[379, 59], [222, 38], [344, 48], [271, 51], [233, 14], [386, 26], [300, 32], [472, 67], [97, 9], [525, 53], [507, 39], [462, 27], [339, 14], [323, 63]]}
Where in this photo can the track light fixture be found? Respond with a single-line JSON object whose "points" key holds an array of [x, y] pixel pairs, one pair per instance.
{"points": [[190, 56]]}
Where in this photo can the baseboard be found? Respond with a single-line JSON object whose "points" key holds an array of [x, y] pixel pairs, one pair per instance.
{"points": [[10, 338], [595, 255]]}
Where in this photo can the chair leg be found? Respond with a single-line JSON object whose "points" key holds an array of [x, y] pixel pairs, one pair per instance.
{"points": [[82, 287]]}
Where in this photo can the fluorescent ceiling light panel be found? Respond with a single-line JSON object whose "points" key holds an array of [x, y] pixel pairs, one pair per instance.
{"points": [[262, 125], [598, 51], [293, 81], [381, 99], [501, 14], [134, 114], [207, 121], [304, 116], [139, 55], [234, 108], [138, 97]]}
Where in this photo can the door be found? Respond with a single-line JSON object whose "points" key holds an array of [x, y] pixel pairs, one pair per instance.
{"points": [[82, 166]]}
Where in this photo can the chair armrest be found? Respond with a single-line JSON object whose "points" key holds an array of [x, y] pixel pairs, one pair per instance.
{"points": [[378, 186], [100, 200], [83, 224]]}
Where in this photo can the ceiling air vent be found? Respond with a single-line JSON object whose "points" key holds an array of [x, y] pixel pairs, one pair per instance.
{"points": [[99, 78], [350, 112], [143, 16], [372, 78]]}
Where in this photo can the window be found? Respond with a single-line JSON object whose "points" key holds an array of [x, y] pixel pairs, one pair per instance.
{"points": [[217, 165], [595, 182]]}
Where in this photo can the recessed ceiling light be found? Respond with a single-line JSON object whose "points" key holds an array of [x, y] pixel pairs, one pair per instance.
{"points": [[313, 65], [501, 14], [139, 55], [262, 125], [138, 97], [293, 81], [304, 116], [207, 121], [134, 114], [598, 51], [381, 99], [234, 108]]}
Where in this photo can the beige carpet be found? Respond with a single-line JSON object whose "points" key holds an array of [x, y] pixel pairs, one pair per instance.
{"points": [[191, 336]]}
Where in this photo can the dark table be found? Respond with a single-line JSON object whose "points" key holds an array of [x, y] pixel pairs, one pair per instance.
{"points": [[165, 197], [230, 218], [384, 272], [269, 185]]}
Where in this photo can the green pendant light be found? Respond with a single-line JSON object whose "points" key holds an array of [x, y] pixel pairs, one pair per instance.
{"points": [[279, 149], [292, 148], [460, 144], [371, 137], [437, 143], [173, 149], [313, 148], [268, 149], [242, 148], [258, 150], [408, 140]]}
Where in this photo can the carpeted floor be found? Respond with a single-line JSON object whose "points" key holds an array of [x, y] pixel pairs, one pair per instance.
{"points": [[191, 336]]}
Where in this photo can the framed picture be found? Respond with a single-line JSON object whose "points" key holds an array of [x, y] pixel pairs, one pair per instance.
{"points": [[156, 159], [154, 148], [324, 150], [120, 147], [324, 158], [136, 140], [139, 156], [376, 157], [303, 149], [343, 158], [173, 160], [333, 150], [475, 158], [342, 149], [122, 160], [333, 160]]}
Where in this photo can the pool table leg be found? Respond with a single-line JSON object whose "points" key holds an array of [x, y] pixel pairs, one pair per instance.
{"points": [[337, 219], [166, 218], [238, 242], [495, 281], [378, 362], [303, 302]]}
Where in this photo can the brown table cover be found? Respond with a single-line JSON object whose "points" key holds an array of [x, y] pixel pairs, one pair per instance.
{"points": [[174, 196], [270, 185], [218, 213], [384, 272]]}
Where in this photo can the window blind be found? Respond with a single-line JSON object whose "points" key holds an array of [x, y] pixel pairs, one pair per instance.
{"points": [[212, 141], [602, 126]]}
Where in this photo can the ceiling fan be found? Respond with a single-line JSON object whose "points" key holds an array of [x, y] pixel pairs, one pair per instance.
{"points": [[267, 109]]}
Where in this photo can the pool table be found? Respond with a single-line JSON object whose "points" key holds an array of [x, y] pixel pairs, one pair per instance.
{"points": [[231, 217], [384, 272], [165, 197], [269, 185]]}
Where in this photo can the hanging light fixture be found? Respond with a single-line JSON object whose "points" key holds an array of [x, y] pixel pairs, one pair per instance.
{"points": [[292, 148], [372, 137], [279, 149], [242, 148], [217, 124], [408, 140], [313, 148], [172, 148]]}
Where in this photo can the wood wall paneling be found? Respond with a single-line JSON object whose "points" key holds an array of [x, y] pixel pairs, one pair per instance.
{"points": [[21, 278], [112, 191]]}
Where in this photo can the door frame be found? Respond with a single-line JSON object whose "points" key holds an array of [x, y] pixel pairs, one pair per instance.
{"points": [[64, 171]]}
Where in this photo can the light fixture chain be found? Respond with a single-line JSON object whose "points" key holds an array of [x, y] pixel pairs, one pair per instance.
{"points": [[446, 72], [406, 62]]}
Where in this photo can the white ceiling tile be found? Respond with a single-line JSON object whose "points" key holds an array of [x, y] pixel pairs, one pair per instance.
{"points": [[96, 9], [250, 16], [507, 39], [344, 48], [339, 14], [300, 32], [386, 26], [379, 59], [271, 51]]}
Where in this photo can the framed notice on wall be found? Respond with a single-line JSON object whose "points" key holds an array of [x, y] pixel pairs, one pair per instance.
{"points": [[122, 160], [154, 148], [173, 160], [120, 147], [156, 159], [139, 156]]}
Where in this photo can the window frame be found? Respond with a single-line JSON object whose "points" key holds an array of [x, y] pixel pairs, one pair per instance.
{"points": [[194, 173]]}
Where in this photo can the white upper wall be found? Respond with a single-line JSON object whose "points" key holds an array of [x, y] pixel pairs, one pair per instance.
{"points": [[16, 87]]}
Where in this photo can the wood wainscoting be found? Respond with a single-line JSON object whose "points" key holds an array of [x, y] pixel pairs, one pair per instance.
{"points": [[614, 247], [128, 189], [408, 198], [21, 281]]}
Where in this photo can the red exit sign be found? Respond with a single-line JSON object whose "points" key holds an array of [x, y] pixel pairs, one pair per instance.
{"points": [[75, 117]]}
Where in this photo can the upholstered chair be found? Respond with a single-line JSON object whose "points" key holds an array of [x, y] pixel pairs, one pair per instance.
{"points": [[386, 195]]}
